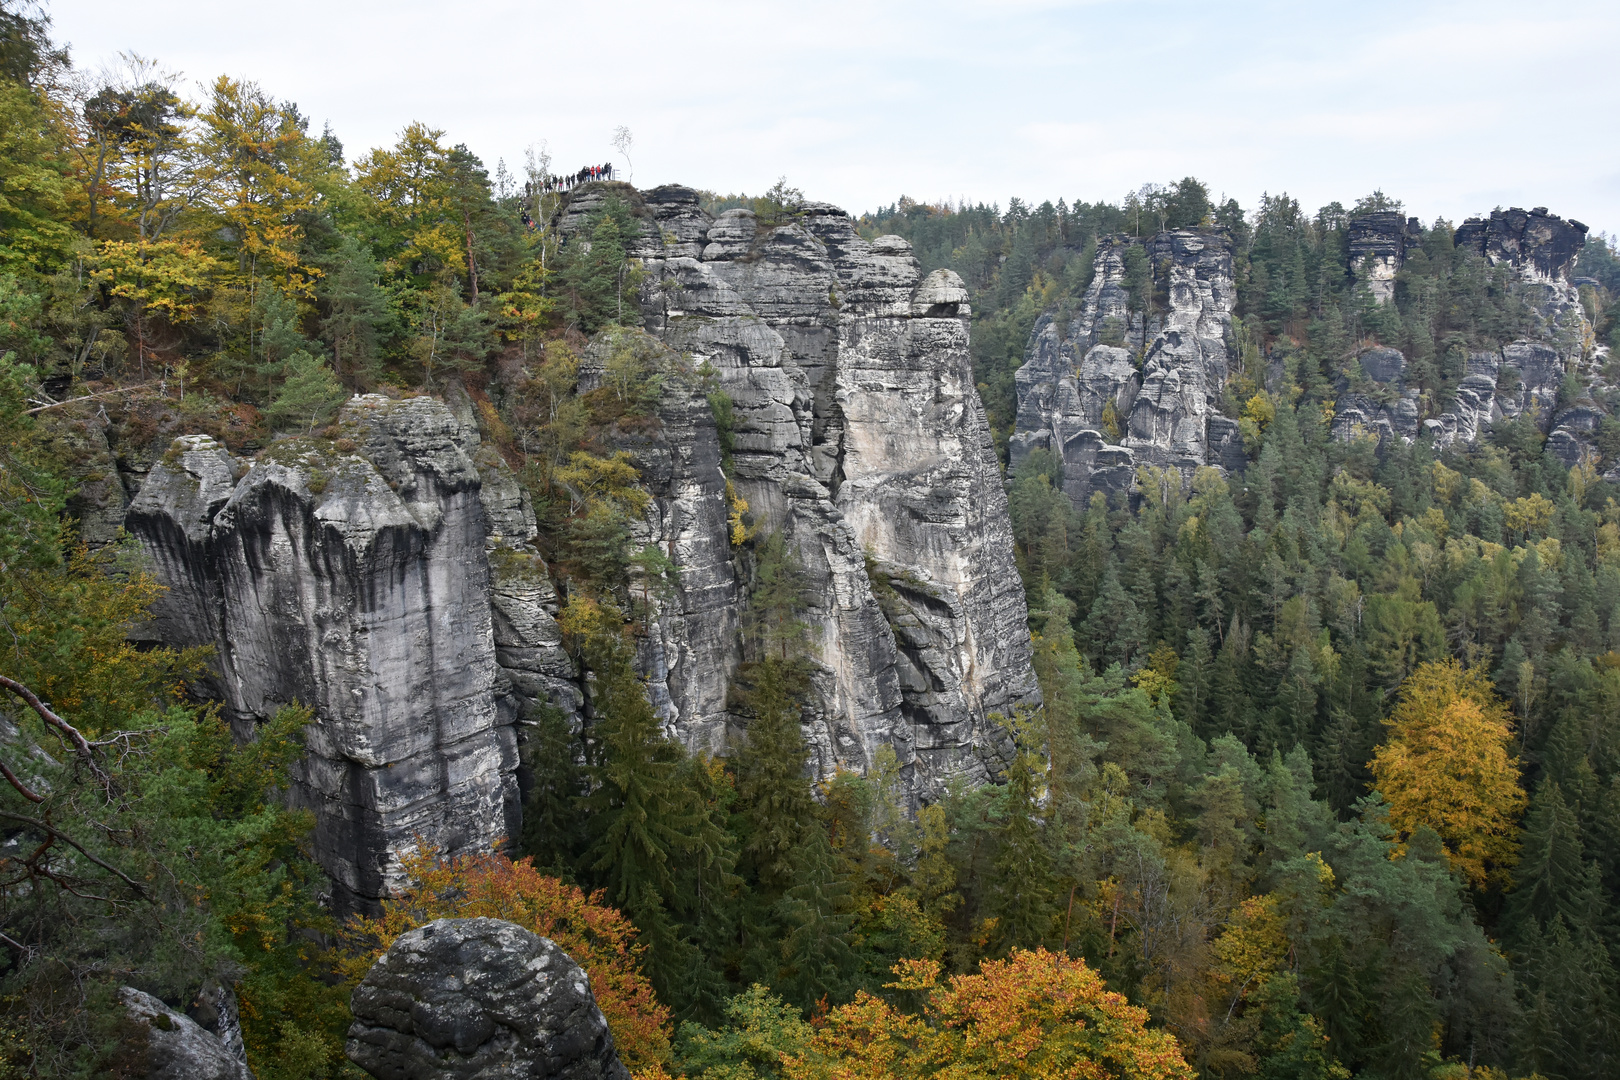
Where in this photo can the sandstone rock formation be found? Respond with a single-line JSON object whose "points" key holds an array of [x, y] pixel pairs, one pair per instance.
{"points": [[1083, 396], [1540, 245], [1529, 376], [1378, 243], [860, 435], [175, 1046], [354, 581], [387, 578], [479, 998]]}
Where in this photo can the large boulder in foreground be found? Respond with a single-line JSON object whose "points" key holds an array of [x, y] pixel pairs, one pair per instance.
{"points": [[467, 998], [170, 1045]]}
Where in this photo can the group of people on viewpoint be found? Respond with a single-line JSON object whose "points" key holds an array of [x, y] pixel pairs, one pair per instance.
{"points": [[585, 175], [550, 184]]}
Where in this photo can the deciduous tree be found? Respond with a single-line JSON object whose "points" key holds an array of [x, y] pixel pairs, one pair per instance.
{"points": [[1447, 765]]}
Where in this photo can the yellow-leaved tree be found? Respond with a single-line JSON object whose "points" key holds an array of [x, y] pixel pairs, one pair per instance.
{"points": [[1035, 1015], [1448, 765]]}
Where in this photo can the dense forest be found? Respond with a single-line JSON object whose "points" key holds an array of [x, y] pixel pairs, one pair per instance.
{"points": [[1325, 781]]}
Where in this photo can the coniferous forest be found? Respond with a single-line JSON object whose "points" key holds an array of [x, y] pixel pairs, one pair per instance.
{"points": [[1325, 781]]}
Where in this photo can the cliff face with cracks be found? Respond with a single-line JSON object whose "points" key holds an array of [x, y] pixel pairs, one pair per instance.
{"points": [[859, 435], [1084, 395], [386, 576], [354, 581]]}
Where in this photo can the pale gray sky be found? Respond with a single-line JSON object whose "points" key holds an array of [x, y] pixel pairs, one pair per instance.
{"points": [[1453, 107]]}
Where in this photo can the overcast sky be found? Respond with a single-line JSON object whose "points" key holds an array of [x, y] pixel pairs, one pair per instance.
{"points": [[1453, 107]]}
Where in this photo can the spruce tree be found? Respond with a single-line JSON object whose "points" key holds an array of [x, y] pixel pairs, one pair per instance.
{"points": [[817, 961], [1022, 903], [1550, 876], [357, 313], [773, 793], [653, 841]]}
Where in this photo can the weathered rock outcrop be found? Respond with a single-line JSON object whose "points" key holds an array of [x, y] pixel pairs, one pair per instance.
{"points": [[1378, 244], [353, 580], [386, 575], [1539, 245], [464, 998], [1387, 409], [693, 644], [169, 1045], [1528, 376], [1082, 396], [859, 435]]}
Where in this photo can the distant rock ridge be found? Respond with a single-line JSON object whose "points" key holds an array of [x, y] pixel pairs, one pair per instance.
{"points": [[1108, 392], [1541, 246], [1378, 243], [1083, 395]]}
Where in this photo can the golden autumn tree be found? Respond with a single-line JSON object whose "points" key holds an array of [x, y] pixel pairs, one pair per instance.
{"points": [[260, 169], [1448, 765], [1035, 1015], [411, 191], [598, 938]]}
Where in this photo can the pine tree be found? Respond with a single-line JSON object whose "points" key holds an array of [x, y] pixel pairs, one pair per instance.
{"points": [[309, 394], [1022, 903], [653, 840], [357, 313], [552, 826], [1550, 877], [1569, 1027], [595, 281]]}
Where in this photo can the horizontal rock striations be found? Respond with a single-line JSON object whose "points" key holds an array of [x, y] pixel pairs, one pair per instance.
{"points": [[1378, 244], [1540, 245], [860, 436]]}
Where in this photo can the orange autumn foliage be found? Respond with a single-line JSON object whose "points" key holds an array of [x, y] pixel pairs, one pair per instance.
{"points": [[1034, 1016], [1447, 765], [597, 937]]}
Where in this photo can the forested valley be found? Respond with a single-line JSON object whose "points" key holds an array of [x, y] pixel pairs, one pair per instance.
{"points": [[1325, 777]]}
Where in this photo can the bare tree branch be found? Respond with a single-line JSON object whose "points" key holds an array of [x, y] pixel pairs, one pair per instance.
{"points": [[88, 397], [22, 788], [68, 731], [57, 834]]}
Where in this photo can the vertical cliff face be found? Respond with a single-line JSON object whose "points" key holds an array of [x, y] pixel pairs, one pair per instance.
{"points": [[1083, 394], [386, 575], [859, 435], [355, 582], [1378, 244]]}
